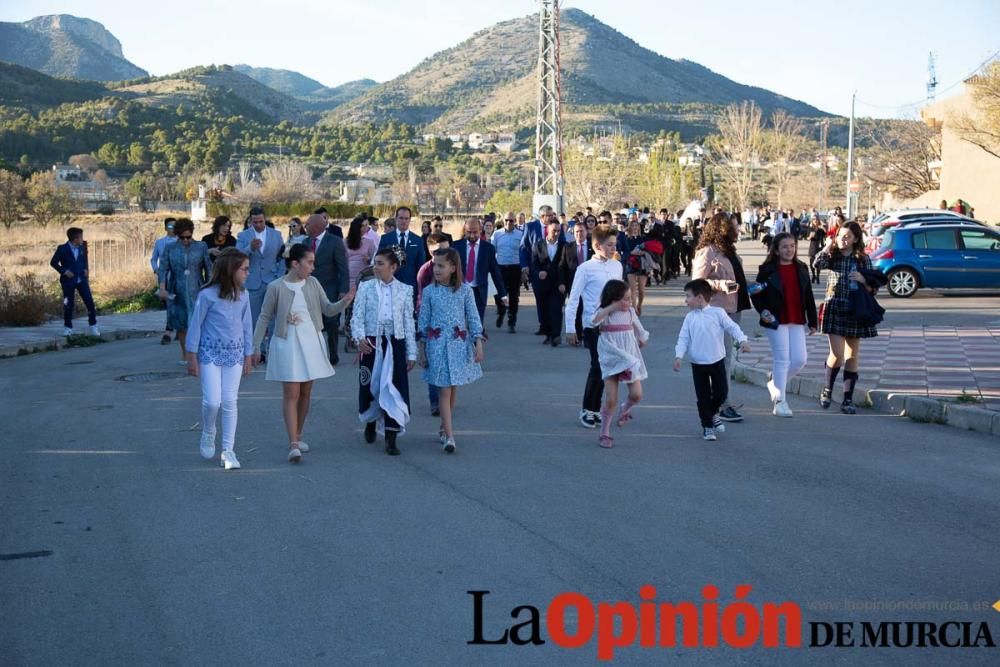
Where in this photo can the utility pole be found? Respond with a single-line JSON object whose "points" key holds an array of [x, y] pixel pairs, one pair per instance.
{"points": [[822, 166], [851, 197], [549, 186]]}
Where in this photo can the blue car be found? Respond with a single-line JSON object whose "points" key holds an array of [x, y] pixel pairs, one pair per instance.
{"points": [[939, 256]]}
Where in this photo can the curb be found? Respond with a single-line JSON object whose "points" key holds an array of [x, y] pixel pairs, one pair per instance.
{"points": [[59, 342], [917, 408]]}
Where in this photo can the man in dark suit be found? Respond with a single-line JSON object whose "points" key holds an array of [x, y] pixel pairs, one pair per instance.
{"points": [[331, 227], [545, 260], [533, 233], [412, 245], [330, 271], [573, 255], [70, 262], [479, 263]]}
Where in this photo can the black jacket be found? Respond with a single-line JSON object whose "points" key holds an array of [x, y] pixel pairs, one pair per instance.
{"points": [[772, 297]]}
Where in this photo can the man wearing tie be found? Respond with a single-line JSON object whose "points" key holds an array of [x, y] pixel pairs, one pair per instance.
{"points": [[534, 232], [574, 254], [331, 272], [546, 257], [70, 262], [264, 246], [412, 245], [479, 262]]}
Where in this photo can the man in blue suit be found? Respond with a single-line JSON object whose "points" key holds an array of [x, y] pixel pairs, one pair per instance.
{"points": [[534, 232], [412, 245], [70, 262], [479, 262], [264, 246]]}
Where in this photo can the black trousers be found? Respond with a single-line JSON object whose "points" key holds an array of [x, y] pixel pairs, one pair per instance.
{"points": [[711, 386], [332, 326], [69, 290], [551, 302], [675, 260], [578, 324], [512, 283], [400, 378], [594, 389]]}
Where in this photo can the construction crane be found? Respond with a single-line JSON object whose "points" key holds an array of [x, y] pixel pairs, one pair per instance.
{"points": [[549, 187]]}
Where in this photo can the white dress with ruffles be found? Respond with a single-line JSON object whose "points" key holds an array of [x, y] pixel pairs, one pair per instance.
{"points": [[618, 346]]}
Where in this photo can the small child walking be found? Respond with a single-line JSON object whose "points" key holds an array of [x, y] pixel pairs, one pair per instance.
{"points": [[451, 338], [621, 337], [702, 340], [298, 354], [219, 349]]}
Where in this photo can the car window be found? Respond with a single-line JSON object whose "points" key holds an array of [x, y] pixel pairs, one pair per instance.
{"points": [[887, 239], [973, 239], [938, 239]]}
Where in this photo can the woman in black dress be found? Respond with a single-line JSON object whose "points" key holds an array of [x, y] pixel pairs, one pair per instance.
{"points": [[845, 258], [220, 238], [817, 235]]}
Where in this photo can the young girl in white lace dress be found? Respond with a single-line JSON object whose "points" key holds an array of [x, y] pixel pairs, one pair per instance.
{"points": [[622, 335]]}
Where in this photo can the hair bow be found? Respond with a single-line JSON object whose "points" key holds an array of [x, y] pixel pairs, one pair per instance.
{"points": [[433, 333], [459, 334]]}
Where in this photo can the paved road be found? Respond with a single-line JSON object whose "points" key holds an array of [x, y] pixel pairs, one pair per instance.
{"points": [[356, 558]]}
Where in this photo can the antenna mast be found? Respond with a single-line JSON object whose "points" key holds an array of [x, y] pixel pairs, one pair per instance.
{"points": [[549, 188], [932, 81]]}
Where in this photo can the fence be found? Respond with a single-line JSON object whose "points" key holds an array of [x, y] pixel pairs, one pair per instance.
{"points": [[109, 256]]}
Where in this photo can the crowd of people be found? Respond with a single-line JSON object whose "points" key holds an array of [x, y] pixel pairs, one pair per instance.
{"points": [[412, 299]]}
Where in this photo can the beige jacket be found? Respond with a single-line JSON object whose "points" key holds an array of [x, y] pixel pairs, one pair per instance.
{"points": [[712, 265], [278, 304]]}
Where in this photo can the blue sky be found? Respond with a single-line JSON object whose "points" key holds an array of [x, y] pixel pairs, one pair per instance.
{"points": [[816, 51]]}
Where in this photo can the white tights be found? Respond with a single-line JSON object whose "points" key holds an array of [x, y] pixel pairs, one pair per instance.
{"points": [[219, 387], [788, 349]]}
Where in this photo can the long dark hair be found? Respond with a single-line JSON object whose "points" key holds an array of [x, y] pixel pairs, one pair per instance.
{"points": [[718, 232], [354, 232], [858, 251], [224, 268], [614, 290], [772, 251], [219, 222]]}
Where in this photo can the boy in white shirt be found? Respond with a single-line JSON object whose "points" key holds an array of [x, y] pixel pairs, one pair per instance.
{"points": [[702, 339]]}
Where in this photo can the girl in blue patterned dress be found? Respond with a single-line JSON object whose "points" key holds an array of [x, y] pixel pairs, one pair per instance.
{"points": [[451, 337], [220, 349]]}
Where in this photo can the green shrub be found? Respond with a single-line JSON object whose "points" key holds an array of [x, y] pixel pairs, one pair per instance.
{"points": [[136, 303]]}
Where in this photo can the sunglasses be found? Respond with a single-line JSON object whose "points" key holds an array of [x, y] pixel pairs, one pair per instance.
{"points": [[186, 237]]}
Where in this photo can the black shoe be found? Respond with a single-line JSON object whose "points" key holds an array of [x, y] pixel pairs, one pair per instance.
{"points": [[548, 339], [510, 328], [730, 415], [847, 407], [554, 341], [825, 399], [499, 320], [435, 411], [541, 332], [166, 340], [370, 432], [263, 358], [390, 443], [335, 361]]}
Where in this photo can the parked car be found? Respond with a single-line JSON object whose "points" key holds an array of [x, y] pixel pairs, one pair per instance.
{"points": [[935, 217], [939, 256]]}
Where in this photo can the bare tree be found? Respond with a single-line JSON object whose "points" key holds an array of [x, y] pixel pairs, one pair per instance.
{"points": [[738, 148], [901, 152], [598, 181], [982, 128], [784, 146], [12, 197], [286, 180], [85, 161]]}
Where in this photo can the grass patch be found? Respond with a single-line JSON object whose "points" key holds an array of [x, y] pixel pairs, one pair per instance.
{"points": [[82, 340], [966, 397], [135, 303]]}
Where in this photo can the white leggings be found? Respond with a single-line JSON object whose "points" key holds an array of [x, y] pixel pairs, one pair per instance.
{"points": [[788, 349], [219, 387]]}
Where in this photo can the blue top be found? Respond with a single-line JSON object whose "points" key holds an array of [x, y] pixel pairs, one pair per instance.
{"points": [[450, 325], [220, 331], [159, 249], [508, 245]]}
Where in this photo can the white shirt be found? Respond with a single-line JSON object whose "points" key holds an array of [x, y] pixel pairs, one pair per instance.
{"points": [[553, 247], [385, 305], [468, 251], [701, 336], [373, 235], [589, 280], [262, 237], [402, 238]]}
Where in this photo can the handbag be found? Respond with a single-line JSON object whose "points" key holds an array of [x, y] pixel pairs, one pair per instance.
{"points": [[867, 311]]}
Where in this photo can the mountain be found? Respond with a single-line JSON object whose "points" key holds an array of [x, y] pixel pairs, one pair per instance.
{"points": [[314, 94], [30, 89], [491, 78], [66, 46]]}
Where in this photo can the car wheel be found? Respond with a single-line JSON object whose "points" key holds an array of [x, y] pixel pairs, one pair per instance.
{"points": [[903, 283]]}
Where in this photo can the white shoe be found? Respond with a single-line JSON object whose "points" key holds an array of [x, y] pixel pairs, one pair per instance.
{"points": [[229, 461], [207, 446], [294, 455], [717, 425], [772, 389], [303, 447], [68, 331], [449, 446], [93, 330], [781, 409]]}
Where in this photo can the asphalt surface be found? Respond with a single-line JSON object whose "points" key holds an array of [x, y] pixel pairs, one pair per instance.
{"points": [[160, 558]]}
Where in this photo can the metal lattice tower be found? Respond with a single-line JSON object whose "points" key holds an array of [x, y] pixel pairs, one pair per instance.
{"points": [[932, 81], [548, 125]]}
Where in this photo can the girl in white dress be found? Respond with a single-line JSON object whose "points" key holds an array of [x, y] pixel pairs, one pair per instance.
{"points": [[622, 335], [298, 351]]}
